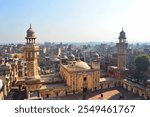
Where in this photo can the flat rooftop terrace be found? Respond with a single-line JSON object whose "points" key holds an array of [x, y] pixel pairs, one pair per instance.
{"points": [[54, 86], [106, 79]]}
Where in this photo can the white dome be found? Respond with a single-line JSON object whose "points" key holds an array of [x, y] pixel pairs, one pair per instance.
{"points": [[56, 59], [82, 65], [71, 57], [77, 66]]}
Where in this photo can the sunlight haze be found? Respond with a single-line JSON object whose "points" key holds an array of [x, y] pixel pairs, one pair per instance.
{"points": [[75, 20]]}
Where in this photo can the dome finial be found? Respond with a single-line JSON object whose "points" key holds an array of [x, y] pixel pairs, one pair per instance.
{"points": [[30, 25], [122, 28]]}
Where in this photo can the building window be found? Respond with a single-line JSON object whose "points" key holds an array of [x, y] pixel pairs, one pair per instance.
{"points": [[31, 54], [28, 54], [84, 79]]}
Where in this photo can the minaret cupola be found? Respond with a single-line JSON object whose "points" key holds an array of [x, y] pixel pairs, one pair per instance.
{"points": [[122, 36], [30, 36]]}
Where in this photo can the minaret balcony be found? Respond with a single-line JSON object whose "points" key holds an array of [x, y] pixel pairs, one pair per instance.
{"points": [[31, 46]]}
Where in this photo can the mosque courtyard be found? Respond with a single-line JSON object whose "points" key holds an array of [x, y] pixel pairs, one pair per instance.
{"points": [[118, 93]]}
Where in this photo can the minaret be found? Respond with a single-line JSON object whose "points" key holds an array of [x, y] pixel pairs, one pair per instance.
{"points": [[31, 50], [96, 68], [96, 61], [122, 50]]}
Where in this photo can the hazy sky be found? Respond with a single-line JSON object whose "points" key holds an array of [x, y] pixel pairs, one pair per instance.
{"points": [[75, 20]]}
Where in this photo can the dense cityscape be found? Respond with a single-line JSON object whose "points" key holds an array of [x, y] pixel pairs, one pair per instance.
{"points": [[113, 71]]}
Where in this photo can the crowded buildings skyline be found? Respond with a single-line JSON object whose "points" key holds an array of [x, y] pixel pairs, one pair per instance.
{"points": [[30, 71]]}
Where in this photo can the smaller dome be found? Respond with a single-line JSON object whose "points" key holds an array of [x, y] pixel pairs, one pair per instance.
{"points": [[122, 32], [122, 35], [65, 57], [71, 57], [30, 33], [96, 56], [30, 30], [56, 60]]}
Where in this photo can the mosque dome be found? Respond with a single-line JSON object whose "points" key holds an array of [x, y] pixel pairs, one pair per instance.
{"points": [[71, 57], [82, 65], [78, 66]]}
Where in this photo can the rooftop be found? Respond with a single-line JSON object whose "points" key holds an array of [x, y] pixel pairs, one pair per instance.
{"points": [[107, 79], [54, 86]]}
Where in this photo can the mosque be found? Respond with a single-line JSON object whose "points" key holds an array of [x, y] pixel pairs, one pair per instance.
{"points": [[77, 76]]}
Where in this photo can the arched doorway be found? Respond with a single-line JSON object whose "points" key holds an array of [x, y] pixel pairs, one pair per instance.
{"points": [[47, 95]]}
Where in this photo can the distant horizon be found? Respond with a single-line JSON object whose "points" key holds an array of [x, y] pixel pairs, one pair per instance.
{"points": [[75, 20], [87, 42]]}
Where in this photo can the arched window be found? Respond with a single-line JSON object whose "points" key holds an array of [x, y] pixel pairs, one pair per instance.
{"points": [[84, 79], [31, 54]]}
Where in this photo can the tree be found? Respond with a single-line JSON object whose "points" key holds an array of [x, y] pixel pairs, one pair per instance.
{"points": [[142, 63]]}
